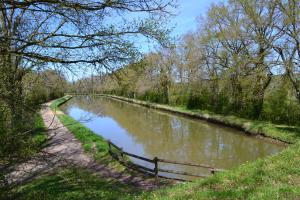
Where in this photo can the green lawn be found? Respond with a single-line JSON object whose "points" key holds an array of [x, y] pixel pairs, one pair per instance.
{"points": [[274, 177]]}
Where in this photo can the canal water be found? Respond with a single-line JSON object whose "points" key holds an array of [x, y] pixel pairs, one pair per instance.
{"points": [[151, 133]]}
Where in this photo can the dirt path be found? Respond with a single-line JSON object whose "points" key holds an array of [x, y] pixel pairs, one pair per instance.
{"points": [[63, 149]]}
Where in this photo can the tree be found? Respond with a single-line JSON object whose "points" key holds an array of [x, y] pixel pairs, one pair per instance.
{"points": [[232, 63], [50, 34], [288, 46], [162, 63]]}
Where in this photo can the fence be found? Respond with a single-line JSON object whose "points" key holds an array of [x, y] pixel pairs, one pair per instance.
{"points": [[155, 161]]}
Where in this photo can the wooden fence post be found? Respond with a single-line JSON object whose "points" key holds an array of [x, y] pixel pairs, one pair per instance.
{"points": [[120, 154], [156, 168]]}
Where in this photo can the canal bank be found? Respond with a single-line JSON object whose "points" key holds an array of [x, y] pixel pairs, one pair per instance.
{"points": [[96, 147], [264, 130], [274, 177], [153, 133]]}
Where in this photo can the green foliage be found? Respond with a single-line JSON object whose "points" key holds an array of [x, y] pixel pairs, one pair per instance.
{"points": [[29, 142], [280, 107], [198, 100], [41, 87], [152, 96]]}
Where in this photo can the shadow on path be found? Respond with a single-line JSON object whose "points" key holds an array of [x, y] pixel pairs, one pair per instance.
{"points": [[64, 150]]}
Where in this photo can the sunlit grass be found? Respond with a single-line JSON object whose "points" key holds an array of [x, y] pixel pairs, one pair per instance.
{"points": [[275, 177], [93, 144]]}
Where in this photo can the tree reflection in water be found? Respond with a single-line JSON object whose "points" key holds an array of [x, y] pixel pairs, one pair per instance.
{"points": [[151, 133]]}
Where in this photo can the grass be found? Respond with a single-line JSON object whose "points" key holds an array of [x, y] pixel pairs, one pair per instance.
{"points": [[72, 183], [56, 103], [92, 143], [273, 177], [76, 183], [39, 136], [37, 139]]}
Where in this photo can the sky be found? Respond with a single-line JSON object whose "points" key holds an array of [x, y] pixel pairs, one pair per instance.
{"points": [[188, 12], [185, 20]]}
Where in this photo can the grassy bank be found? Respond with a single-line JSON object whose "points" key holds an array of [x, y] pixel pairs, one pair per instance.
{"points": [[77, 183], [92, 143], [57, 102], [273, 177], [283, 133]]}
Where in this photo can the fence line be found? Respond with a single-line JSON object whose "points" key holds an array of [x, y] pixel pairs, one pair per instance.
{"points": [[155, 171]]}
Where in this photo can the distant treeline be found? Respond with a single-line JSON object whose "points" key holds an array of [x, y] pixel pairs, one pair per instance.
{"points": [[242, 60]]}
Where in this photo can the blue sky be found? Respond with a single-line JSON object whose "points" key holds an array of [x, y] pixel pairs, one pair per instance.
{"points": [[188, 11], [185, 21]]}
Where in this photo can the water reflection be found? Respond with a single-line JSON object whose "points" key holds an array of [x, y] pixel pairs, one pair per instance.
{"points": [[151, 133]]}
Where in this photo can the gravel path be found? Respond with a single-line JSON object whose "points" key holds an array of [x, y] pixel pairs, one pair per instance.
{"points": [[63, 149]]}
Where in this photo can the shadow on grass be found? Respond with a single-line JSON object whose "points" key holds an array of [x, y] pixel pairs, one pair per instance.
{"points": [[294, 130], [73, 183]]}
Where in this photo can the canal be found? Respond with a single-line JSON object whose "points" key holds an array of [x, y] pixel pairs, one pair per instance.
{"points": [[151, 133]]}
